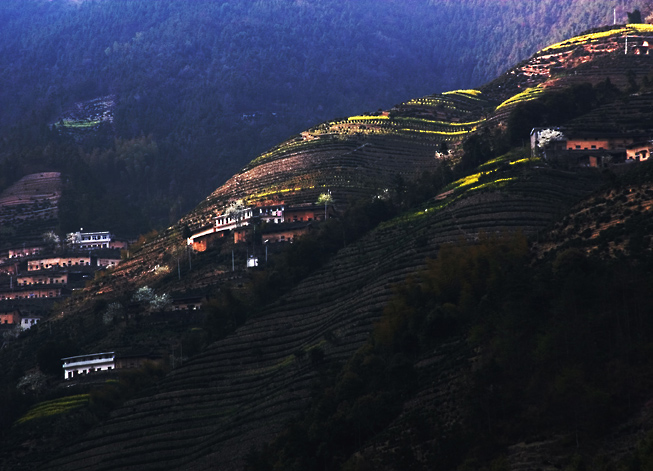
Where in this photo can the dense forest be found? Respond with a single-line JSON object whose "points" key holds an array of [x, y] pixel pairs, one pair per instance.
{"points": [[191, 91], [565, 340]]}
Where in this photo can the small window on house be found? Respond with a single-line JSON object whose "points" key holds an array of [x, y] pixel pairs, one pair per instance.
{"points": [[593, 147], [577, 146]]}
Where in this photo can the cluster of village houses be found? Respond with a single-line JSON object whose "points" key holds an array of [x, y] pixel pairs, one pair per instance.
{"points": [[278, 222], [586, 149], [33, 277]]}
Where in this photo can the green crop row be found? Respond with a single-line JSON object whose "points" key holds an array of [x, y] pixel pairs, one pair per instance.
{"points": [[80, 124], [527, 95], [54, 407], [440, 123], [470, 94]]}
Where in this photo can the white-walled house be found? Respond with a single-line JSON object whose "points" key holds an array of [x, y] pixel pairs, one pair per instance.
{"points": [[89, 240], [84, 364]]}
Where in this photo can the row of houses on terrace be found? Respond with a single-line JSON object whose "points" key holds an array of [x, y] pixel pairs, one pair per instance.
{"points": [[590, 149], [34, 276], [106, 258], [79, 241], [277, 222]]}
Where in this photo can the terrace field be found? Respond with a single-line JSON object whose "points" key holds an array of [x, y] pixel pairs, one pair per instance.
{"points": [[356, 156], [30, 207], [240, 392]]}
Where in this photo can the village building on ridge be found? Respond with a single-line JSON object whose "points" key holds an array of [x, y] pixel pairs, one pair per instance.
{"points": [[278, 222], [589, 149]]}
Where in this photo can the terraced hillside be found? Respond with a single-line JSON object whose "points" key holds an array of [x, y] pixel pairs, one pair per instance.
{"points": [[241, 391], [588, 58], [362, 155], [635, 114], [30, 206], [354, 157]]}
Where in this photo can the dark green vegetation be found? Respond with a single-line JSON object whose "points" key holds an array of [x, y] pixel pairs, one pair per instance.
{"points": [[565, 344], [212, 84]]}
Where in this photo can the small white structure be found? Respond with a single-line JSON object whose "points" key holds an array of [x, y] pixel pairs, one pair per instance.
{"points": [[252, 261], [84, 364], [27, 322]]}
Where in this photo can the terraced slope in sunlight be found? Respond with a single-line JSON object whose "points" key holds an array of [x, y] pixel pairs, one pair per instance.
{"points": [[361, 155], [241, 391], [353, 157], [590, 57]]}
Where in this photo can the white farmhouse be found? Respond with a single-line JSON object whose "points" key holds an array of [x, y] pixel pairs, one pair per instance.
{"points": [[89, 240], [84, 364]]}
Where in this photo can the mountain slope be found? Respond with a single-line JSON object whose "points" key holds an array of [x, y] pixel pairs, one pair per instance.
{"points": [[241, 392]]}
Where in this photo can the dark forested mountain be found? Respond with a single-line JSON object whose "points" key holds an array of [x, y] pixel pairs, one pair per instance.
{"points": [[164, 100]]}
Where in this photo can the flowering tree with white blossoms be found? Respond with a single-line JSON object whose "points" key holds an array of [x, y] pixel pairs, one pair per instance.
{"points": [[547, 136]]}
